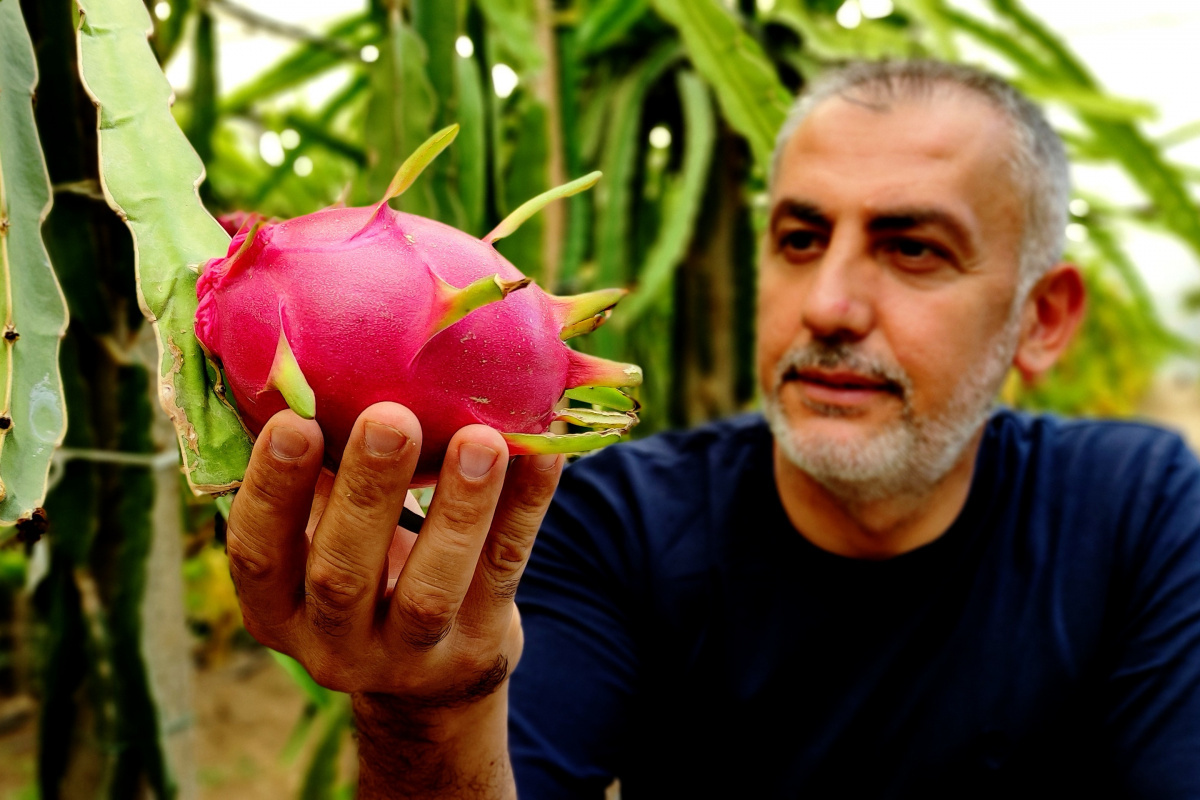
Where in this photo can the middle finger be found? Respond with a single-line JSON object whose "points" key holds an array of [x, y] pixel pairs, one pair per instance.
{"points": [[349, 546]]}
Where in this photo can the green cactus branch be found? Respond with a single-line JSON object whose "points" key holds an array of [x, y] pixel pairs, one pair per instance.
{"points": [[34, 312], [150, 176]]}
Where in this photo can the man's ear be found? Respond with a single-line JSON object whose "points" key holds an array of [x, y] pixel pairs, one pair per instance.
{"points": [[1050, 318]]}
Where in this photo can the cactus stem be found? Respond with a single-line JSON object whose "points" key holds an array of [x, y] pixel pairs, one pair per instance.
{"points": [[416, 163], [530, 207], [6, 421]]}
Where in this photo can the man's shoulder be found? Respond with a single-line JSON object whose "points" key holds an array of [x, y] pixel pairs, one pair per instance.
{"points": [[1125, 482], [680, 455], [1066, 441]]}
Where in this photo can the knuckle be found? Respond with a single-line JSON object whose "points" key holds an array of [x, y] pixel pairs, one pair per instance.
{"points": [[431, 616], [458, 514], [327, 619], [246, 563], [507, 553], [334, 569], [332, 598]]}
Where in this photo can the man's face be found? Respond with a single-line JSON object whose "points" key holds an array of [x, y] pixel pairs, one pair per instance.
{"points": [[888, 273]]}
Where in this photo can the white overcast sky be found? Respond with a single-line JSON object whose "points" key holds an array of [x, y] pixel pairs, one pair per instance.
{"points": [[1148, 49]]}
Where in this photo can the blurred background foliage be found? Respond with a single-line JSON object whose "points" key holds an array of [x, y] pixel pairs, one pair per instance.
{"points": [[676, 101]]}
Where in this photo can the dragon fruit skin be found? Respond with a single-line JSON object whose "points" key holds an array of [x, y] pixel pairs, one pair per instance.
{"points": [[363, 305]]}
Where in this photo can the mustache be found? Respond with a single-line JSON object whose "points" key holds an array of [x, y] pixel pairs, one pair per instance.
{"points": [[841, 356]]}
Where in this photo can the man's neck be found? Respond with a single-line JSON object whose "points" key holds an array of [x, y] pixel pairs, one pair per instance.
{"points": [[876, 529]]}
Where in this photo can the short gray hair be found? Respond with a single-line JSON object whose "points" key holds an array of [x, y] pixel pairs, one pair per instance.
{"points": [[1038, 159]]}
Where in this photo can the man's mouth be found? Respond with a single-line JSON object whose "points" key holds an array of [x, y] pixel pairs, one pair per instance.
{"points": [[843, 381]]}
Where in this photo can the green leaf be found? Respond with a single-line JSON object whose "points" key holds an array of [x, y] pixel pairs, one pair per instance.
{"points": [[620, 165], [472, 145], [827, 41], [1088, 101], [527, 176], [320, 779], [754, 100], [400, 115], [168, 33], [579, 208], [150, 174], [511, 29], [1180, 135], [681, 205], [435, 22], [33, 311], [315, 131], [204, 87], [317, 694], [608, 22], [306, 62]]}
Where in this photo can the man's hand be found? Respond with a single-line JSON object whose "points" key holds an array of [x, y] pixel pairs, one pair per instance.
{"points": [[428, 659]]}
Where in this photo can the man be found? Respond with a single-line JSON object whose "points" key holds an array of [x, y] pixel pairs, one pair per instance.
{"points": [[888, 592]]}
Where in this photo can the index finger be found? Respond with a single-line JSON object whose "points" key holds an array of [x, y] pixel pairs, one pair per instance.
{"points": [[265, 538]]}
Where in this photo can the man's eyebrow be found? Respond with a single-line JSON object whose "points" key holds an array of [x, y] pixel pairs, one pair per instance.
{"points": [[803, 211], [908, 218]]}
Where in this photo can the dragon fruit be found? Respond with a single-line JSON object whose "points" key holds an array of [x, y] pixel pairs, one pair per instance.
{"points": [[336, 310]]}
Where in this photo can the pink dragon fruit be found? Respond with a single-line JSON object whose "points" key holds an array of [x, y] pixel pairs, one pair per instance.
{"points": [[333, 311]]}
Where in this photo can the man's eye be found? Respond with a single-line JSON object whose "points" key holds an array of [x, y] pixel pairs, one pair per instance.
{"points": [[915, 253], [911, 249], [798, 241]]}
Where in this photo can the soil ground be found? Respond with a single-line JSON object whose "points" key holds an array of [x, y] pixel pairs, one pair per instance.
{"points": [[245, 710]]}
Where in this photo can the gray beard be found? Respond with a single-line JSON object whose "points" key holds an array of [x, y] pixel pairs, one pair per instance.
{"points": [[912, 455]]}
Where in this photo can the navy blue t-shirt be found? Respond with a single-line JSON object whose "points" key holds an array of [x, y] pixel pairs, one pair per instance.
{"points": [[683, 636]]}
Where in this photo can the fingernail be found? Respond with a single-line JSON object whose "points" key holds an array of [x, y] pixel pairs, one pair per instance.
{"points": [[474, 460], [545, 461], [383, 440], [288, 443]]}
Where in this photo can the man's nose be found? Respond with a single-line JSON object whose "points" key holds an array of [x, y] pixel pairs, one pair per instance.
{"points": [[838, 303]]}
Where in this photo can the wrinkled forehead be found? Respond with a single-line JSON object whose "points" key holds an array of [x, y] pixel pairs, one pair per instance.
{"points": [[867, 136]]}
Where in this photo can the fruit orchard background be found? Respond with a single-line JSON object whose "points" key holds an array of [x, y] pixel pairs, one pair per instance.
{"points": [[120, 641]]}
